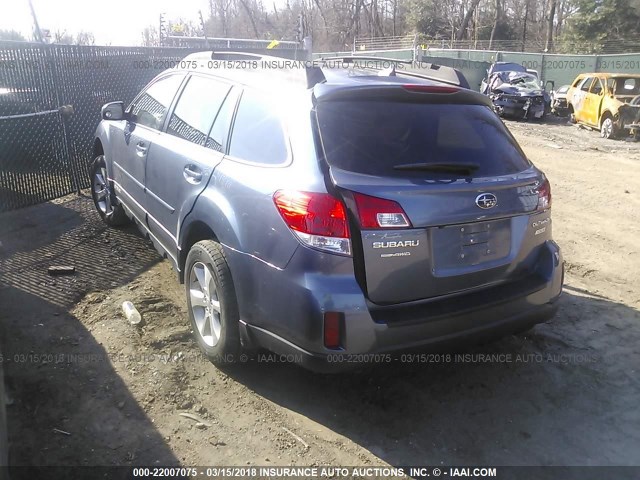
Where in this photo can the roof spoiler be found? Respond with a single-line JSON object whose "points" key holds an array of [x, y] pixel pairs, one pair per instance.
{"points": [[427, 71], [352, 59]]}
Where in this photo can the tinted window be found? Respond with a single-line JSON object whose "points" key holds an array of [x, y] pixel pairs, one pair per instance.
{"points": [[258, 135], [150, 108], [197, 106], [373, 136]]}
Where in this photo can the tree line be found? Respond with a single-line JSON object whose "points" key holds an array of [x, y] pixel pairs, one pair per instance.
{"points": [[562, 26], [582, 26]]}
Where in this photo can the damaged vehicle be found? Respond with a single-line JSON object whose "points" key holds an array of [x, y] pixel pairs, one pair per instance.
{"points": [[516, 92], [324, 213], [559, 103], [609, 102]]}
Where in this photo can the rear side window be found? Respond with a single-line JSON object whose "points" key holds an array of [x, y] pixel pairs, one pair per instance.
{"points": [[196, 109], [258, 134], [628, 86], [150, 108], [372, 137]]}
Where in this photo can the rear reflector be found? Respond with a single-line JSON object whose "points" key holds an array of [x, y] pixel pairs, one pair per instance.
{"points": [[318, 219], [430, 88], [544, 195], [332, 330], [374, 212]]}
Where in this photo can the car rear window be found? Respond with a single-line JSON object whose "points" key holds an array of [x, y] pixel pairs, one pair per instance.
{"points": [[372, 137], [627, 86]]}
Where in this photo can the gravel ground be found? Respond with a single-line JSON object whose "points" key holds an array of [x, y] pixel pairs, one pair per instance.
{"points": [[86, 388]]}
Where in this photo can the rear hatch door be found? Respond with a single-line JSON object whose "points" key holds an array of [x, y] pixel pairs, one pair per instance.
{"points": [[459, 179]]}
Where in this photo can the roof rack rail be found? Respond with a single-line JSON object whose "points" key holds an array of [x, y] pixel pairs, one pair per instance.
{"points": [[310, 75]]}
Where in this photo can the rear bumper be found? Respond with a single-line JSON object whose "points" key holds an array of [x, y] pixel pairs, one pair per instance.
{"points": [[434, 339], [293, 327]]}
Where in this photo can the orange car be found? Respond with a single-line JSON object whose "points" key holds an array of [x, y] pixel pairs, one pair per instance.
{"points": [[609, 102]]}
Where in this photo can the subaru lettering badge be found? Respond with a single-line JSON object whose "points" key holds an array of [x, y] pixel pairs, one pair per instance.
{"points": [[486, 200]]}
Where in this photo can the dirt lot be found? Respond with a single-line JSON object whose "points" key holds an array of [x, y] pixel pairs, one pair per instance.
{"points": [[86, 388]]}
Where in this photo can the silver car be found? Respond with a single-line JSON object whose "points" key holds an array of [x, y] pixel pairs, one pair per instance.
{"points": [[328, 214]]}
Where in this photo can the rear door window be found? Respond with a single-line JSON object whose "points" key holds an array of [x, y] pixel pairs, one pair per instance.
{"points": [[218, 136], [196, 109], [596, 88], [372, 137]]}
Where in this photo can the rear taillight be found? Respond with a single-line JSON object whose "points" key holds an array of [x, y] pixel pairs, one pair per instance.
{"points": [[544, 195], [318, 219], [374, 212]]}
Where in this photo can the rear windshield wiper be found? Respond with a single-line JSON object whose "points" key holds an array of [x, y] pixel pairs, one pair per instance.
{"points": [[439, 167]]}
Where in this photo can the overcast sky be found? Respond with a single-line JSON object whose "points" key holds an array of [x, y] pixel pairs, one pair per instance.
{"points": [[114, 22]]}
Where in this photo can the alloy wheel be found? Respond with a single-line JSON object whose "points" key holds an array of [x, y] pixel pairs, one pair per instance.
{"points": [[102, 191], [607, 128], [205, 304]]}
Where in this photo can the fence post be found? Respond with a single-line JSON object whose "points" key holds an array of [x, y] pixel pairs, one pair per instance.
{"points": [[66, 154], [65, 113]]}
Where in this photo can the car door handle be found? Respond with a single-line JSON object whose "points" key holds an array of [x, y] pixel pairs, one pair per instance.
{"points": [[192, 174], [141, 149]]}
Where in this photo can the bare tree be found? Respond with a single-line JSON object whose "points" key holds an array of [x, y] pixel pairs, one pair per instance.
{"points": [[496, 21], [548, 44], [62, 37], [85, 38], [150, 37], [250, 14], [12, 35], [467, 18]]}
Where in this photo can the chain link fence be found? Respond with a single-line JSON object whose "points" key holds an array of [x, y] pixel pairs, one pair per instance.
{"points": [[559, 46], [50, 100]]}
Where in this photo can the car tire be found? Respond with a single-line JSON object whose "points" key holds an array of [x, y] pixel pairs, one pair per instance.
{"points": [[104, 195], [212, 303], [608, 128]]}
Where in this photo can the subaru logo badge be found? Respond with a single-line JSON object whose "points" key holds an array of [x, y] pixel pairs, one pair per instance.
{"points": [[486, 200]]}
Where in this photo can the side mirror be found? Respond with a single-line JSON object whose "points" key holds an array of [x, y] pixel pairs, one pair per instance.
{"points": [[113, 111], [549, 85]]}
